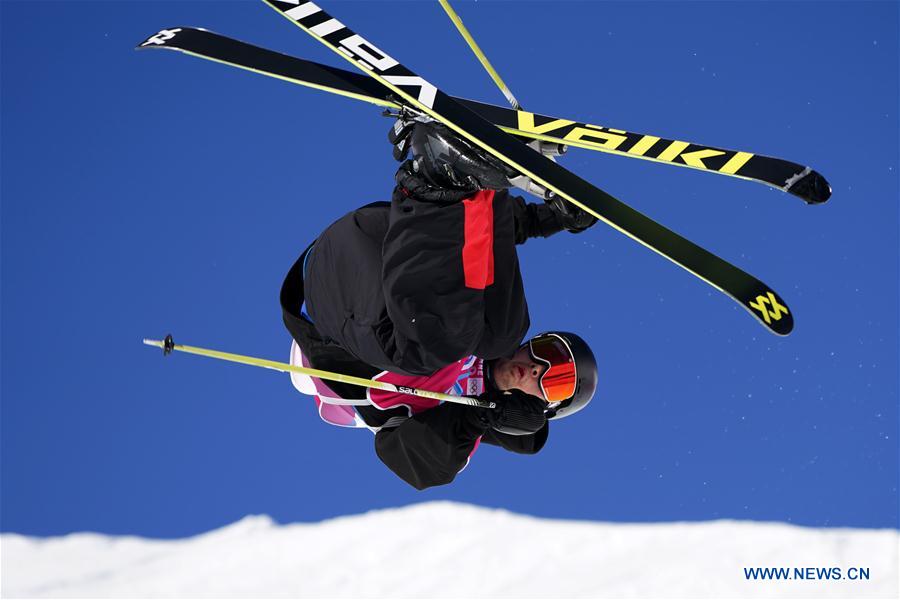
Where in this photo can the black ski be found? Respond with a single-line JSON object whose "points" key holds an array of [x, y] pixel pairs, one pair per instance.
{"points": [[788, 176], [763, 303]]}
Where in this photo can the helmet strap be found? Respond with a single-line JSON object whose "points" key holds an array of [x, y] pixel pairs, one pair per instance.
{"points": [[488, 371]]}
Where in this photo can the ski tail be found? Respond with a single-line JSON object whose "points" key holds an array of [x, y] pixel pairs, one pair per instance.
{"points": [[211, 46]]}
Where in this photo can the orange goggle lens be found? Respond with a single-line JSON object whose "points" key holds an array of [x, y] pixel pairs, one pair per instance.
{"points": [[558, 381]]}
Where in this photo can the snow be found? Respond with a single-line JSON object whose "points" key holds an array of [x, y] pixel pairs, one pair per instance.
{"points": [[447, 550]]}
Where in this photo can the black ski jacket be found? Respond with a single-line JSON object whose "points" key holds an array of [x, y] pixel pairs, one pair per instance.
{"points": [[390, 286]]}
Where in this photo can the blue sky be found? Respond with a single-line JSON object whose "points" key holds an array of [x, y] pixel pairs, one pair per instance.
{"points": [[149, 192]]}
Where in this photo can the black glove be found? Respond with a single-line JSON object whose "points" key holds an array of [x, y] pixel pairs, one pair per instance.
{"points": [[517, 413], [412, 184], [570, 217]]}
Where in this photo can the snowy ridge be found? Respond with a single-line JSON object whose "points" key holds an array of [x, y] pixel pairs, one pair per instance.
{"points": [[446, 550]]}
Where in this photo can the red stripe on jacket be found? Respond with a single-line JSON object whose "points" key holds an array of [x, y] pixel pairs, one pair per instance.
{"points": [[478, 248]]}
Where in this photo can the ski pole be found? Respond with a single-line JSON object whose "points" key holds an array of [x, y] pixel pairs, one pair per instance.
{"points": [[168, 345], [479, 54]]}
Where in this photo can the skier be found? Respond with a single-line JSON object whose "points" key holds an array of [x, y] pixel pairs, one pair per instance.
{"points": [[425, 292]]}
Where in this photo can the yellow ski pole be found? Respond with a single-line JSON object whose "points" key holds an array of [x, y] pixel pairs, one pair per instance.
{"points": [[479, 54], [168, 345], [549, 149]]}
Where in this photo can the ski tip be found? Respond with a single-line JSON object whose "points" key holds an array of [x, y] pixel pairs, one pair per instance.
{"points": [[785, 327], [771, 311], [821, 189], [149, 342], [159, 39], [812, 187]]}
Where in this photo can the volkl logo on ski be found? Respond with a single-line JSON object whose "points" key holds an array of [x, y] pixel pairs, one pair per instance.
{"points": [[162, 37], [354, 46], [769, 307], [635, 144]]}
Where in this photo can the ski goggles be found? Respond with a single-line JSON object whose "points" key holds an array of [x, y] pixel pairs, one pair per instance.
{"points": [[559, 380]]}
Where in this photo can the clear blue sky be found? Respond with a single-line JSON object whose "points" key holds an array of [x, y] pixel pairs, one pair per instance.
{"points": [[150, 192]]}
